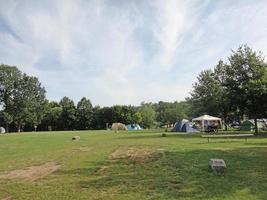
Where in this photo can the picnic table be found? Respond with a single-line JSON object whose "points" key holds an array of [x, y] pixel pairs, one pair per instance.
{"points": [[227, 136]]}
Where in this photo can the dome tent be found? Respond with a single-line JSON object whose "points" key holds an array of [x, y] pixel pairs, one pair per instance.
{"points": [[118, 127], [178, 125], [189, 127], [133, 127], [184, 126], [2, 130], [249, 125]]}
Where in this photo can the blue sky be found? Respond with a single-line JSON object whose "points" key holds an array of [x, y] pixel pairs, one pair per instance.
{"points": [[125, 52]]}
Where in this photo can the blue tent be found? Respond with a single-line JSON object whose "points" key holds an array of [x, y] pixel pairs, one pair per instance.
{"points": [[189, 127], [133, 127], [178, 125]]}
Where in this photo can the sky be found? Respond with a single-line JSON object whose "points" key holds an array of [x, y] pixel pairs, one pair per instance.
{"points": [[125, 52]]}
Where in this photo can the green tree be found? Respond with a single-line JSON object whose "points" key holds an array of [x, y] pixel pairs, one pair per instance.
{"points": [[68, 114], [137, 118], [148, 115], [84, 114], [51, 120], [233, 89], [210, 94], [206, 95], [21, 96], [118, 113], [170, 112], [246, 82], [97, 119], [6, 119]]}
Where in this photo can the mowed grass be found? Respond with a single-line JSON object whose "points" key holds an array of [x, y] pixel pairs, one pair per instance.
{"points": [[176, 168]]}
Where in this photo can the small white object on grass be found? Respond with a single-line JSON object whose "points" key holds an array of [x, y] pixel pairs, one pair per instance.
{"points": [[217, 165]]}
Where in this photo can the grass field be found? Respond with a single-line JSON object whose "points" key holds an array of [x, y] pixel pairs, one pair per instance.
{"points": [[142, 165]]}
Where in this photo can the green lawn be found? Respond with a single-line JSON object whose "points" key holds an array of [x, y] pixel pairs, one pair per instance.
{"points": [[172, 167]]}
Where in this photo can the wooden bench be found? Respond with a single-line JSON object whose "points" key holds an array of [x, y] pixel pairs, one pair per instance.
{"points": [[245, 136]]}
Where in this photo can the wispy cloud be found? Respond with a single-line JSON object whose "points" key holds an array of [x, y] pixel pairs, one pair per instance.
{"points": [[125, 52]]}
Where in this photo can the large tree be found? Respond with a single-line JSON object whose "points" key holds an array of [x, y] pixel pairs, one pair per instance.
{"points": [[148, 115], [210, 94], [6, 119], [51, 120], [170, 112], [235, 88], [22, 96], [206, 94], [68, 114], [84, 114], [246, 82]]}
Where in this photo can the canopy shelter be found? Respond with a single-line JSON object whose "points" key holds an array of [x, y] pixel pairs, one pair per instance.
{"points": [[207, 121]]}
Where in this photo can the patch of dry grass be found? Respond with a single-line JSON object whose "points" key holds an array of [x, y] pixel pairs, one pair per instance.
{"points": [[132, 153], [32, 173]]}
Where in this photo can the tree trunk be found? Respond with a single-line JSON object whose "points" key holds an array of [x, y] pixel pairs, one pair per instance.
{"points": [[224, 119], [7, 127], [256, 126], [225, 125], [19, 126]]}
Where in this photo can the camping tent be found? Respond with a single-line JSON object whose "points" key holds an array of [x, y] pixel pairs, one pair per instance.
{"points": [[189, 127], [118, 127], [184, 126], [249, 125], [178, 125], [133, 127], [2, 130], [205, 121]]}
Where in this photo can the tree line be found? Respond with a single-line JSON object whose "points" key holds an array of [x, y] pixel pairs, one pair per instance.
{"points": [[24, 106], [234, 88]]}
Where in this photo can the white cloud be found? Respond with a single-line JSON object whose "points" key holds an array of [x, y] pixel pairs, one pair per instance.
{"points": [[117, 52], [170, 23]]}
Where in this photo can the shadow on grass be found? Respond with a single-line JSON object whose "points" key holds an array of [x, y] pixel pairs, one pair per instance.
{"points": [[91, 168], [178, 175]]}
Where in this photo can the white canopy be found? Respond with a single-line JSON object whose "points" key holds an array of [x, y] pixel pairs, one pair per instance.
{"points": [[206, 117]]}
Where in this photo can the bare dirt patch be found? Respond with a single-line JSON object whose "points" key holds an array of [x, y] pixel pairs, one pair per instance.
{"points": [[32, 173], [6, 198], [103, 170], [133, 153]]}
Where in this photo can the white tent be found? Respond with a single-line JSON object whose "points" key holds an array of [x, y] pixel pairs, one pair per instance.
{"points": [[206, 120]]}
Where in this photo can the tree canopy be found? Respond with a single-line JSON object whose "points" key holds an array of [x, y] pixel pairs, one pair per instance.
{"points": [[22, 97]]}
